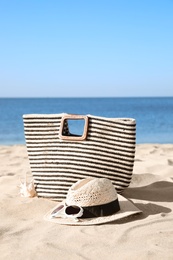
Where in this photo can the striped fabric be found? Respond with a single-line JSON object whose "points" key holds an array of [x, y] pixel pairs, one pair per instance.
{"points": [[56, 164]]}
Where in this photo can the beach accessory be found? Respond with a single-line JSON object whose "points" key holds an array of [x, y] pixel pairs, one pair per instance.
{"points": [[58, 156], [91, 201], [72, 211]]}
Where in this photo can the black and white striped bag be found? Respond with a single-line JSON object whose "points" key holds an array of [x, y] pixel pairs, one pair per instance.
{"points": [[106, 148]]}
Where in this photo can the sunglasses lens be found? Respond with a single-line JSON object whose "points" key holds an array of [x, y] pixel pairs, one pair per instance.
{"points": [[72, 210], [57, 209]]}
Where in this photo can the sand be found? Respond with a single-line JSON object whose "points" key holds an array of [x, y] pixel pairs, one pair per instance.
{"points": [[24, 234]]}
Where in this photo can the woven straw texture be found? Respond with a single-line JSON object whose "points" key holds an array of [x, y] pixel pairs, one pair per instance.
{"points": [[107, 152], [127, 208], [91, 192]]}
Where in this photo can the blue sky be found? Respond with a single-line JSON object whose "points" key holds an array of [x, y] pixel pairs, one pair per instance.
{"points": [[91, 48]]}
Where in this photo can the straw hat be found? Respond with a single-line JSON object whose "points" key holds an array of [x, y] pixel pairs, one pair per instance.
{"points": [[91, 201]]}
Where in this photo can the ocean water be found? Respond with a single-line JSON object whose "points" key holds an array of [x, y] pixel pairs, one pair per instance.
{"points": [[154, 116]]}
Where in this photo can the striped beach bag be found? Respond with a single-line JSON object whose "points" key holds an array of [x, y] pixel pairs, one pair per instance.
{"points": [[58, 157]]}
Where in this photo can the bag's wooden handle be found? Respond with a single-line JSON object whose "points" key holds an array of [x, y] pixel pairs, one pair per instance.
{"points": [[73, 137]]}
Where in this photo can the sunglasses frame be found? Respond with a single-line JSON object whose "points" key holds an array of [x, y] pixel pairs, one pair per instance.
{"points": [[60, 211]]}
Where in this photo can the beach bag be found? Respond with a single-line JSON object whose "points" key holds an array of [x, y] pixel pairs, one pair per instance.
{"points": [[58, 158]]}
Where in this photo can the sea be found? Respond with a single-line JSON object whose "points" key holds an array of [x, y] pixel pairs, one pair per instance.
{"points": [[153, 115]]}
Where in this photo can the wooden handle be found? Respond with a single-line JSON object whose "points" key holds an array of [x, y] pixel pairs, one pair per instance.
{"points": [[73, 137]]}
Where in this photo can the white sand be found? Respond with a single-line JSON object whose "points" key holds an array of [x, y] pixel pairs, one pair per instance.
{"points": [[25, 235]]}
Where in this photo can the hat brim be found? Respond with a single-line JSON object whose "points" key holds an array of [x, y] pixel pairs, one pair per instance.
{"points": [[127, 208]]}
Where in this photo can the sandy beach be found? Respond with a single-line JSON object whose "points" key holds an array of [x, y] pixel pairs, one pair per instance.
{"points": [[24, 234]]}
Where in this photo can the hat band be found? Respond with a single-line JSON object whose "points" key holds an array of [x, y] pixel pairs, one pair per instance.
{"points": [[101, 210]]}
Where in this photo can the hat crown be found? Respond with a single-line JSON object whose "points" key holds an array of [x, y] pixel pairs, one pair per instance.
{"points": [[91, 192]]}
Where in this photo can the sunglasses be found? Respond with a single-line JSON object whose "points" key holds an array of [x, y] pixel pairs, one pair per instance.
{"points": [[65, 211]]}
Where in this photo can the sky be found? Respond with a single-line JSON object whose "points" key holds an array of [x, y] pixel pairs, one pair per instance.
{"points": [[91, 48]]}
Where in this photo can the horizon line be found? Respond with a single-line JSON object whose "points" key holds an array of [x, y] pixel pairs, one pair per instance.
{"points": [[88, 97]]}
